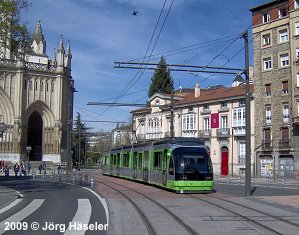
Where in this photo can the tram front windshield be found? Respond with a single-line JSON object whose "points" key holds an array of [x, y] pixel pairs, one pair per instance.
{"points": [[192, 163]]}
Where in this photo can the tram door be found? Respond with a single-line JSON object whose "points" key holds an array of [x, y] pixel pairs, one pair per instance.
{"points": [[145, 166], [134, 165]]}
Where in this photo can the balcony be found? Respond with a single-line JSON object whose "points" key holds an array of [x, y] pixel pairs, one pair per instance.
{"points": [[141, 137], [223, 132], [286, 119], [267, 145], [205, 133], [296, 119], [284, 143], [239, 131]]}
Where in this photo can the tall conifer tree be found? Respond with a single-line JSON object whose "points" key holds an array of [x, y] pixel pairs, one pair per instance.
{"points": [[161, 80]]}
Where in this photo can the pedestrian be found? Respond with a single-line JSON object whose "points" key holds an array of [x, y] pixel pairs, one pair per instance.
{"points": [[23, 169], [44, 167], [6, 170], [16, 168], [29, 166], [40, 167]]}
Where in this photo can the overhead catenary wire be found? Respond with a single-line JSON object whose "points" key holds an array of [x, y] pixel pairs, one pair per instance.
{"points": [[125, 89]]}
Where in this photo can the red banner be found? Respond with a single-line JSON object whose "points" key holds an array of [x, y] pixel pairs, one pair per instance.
{"points": [[215, 120]]}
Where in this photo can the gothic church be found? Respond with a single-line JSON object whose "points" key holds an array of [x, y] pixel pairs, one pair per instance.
{"points": [[36, 102]]}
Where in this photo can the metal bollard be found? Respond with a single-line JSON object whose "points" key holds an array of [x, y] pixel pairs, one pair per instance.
{"points": [[267, 182], [80, 179], [44, 176], [86, 179], [253, 182], [227, 179], [52, 176], [59, 177], [239, 180], [74, 179], [92, 182], [216, 179], [282, 183], [33, 175]]}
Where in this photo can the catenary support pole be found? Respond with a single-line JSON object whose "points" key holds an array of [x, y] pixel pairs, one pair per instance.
{"points": [[247, 111]]}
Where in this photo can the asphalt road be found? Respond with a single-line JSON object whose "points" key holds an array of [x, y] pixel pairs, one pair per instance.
{"points": [[52, 208]]}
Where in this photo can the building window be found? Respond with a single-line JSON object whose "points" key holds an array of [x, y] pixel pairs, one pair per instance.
{"points": [[157, 160], [297, 53], [283, 35], [268, 115], [266, 18], [239, 117], [224, 122], [284, 59], [25, 85], [296, 4], [296, 28], [189, 122], [47, 86], [285, 87], [286, 117], [30, 85], [42, 86], [266, 40], [157, 102], [268, 90], [242, 102], [205, 107], [267, 63], [267, 138], [282, 12], [242, 152], [223, 104], [53, 87], [206, 124]]}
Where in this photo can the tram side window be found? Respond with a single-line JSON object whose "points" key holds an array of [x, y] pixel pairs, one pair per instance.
{"points": [[139, 160], [171, 167], [126, 160], [118, 159], [157, 160], [114, 160]]}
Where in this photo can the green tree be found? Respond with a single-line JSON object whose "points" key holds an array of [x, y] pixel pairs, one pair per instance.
{"points": [[78, 137], [12, 32], [161, 80]]}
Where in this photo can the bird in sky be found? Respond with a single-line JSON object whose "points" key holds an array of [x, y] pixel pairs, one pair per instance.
{"points": [[135, 13]]}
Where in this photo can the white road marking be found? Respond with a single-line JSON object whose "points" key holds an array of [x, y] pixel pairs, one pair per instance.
{"points": [[82, 216], [22, 214], [15, 202]]}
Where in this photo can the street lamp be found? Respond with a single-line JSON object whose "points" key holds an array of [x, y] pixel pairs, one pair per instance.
{"points": [[28, 149]]}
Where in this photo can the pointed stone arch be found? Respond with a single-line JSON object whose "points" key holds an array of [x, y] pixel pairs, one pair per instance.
{"points": [[7, 109]]}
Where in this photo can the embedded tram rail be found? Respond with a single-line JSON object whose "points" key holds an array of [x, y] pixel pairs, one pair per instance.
{"points": [[256, 223], [217, 213], [147, 221]]}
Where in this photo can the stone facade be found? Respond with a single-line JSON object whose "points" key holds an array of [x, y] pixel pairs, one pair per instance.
{"points": [[216, 115], [275, 79], [36, 100]]}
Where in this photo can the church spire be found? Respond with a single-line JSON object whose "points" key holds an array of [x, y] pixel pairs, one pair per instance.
{"points": [[60, 53], [38, 42], [53, 61], [68, 55]]}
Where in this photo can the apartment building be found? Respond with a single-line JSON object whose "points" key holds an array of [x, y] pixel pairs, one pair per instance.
{"points": [[276, 68], [216, 114]]}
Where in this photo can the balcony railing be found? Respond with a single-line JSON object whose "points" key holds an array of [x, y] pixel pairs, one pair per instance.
{"points": [[286, 118], [267, 144], [141, 136], [205, 133], [223, 132], [284, 143]]}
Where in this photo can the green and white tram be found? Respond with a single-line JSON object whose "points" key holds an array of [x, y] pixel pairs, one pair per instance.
{"points": [[179, 164]]}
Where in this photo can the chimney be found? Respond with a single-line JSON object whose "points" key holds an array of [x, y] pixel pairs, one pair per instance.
{"points": [[197, 90]]}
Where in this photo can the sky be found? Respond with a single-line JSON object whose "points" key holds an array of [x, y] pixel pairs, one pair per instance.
{"points": [[101, 32]]}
